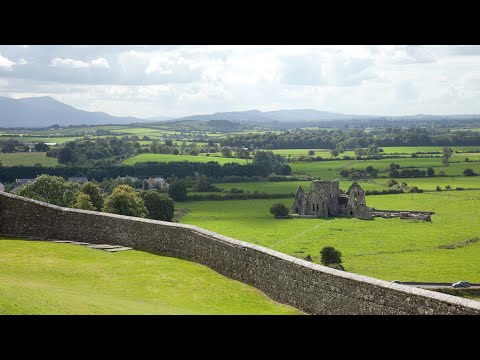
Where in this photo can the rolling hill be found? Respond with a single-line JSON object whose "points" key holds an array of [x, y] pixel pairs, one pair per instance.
{"points": [[46, 111]]}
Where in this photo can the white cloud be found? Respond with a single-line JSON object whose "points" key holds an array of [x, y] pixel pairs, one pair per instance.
{"points": [[79, 64], [181, 80], [100, 63], [6, 63]]}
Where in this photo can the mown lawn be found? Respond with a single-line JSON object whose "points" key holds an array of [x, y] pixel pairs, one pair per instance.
{"points": [[384, 248], [49, 278]]}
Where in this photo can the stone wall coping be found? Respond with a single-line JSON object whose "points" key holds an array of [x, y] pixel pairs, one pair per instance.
{"points": [[300, 262]]}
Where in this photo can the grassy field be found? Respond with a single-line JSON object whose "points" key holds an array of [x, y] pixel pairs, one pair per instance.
{"points": [[331, 169], [383, 248], [27, 158], [169, 157], [48, 278]]}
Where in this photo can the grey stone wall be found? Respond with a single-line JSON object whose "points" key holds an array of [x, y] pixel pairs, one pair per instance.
{"points": [[309, 287]]}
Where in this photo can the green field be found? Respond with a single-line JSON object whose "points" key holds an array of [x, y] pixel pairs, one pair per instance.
{"points": [[331, 169], [191, 158], [27, 158], [49, 278], [383, 248]]}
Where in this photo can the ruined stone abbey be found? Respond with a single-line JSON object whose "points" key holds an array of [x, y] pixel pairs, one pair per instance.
{"points": [[326, 199]]}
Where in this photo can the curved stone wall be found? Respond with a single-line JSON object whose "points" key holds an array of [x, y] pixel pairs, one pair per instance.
{"points": [[312, 288]]}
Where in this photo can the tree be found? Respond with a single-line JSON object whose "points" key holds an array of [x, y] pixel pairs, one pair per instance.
{"points": [[178, 191], [372, 150], [329, 256], [392, 182], [430, 171], [202, 184], [469, 172], [124, 200], [334, 153], [226, 151], [360, 152], [83, 202], [9, 147], [41, 147], [279, 209], [311, 152], [66, 155], [51, 189], [283, 169], [159, 206], [93, 191], [447, 154]]}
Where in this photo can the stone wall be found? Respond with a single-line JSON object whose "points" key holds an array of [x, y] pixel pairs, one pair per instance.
{"points": [[309, 287]]}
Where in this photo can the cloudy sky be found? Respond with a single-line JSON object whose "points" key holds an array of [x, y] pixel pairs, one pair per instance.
{"points": [[146, 81]]}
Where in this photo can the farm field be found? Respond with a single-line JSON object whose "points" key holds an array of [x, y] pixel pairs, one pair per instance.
{"points": [[48, 278], [331, 169], [383, 248], [289, 187], [27, 158], [170, 157]]}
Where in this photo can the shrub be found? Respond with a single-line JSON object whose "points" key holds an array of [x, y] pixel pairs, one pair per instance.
{"points": [[469, 172], [329, 255], [448, 187], [236, 191], [279, 209], [438, 188], [308, 258]]}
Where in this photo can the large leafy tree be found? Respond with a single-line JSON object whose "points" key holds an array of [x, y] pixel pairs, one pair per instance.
{"points": [[65, 155], [93, 191], [84, 202], [159, 206], [178, 191], [51, 189], [124, 200]]}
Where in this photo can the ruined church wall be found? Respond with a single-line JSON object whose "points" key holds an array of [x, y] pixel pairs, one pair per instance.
{"points": [[309, 287]]}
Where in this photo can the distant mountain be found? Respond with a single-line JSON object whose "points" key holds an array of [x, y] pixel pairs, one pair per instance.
{"points": [[159, 118], [45, 111], [278, 115]]}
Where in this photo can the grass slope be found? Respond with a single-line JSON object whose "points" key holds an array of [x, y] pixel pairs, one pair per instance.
{"points": [[49, 278], [384, 248]]}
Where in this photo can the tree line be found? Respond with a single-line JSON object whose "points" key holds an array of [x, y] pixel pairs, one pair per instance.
{"points": [[179, 169], [351, 139]]}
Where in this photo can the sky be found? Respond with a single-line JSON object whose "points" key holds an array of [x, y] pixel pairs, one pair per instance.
{"points": [[147, 81]]}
